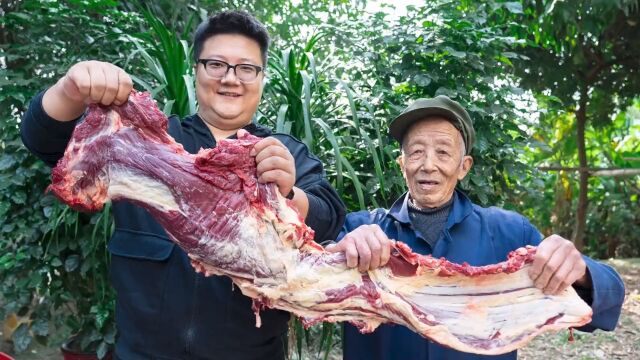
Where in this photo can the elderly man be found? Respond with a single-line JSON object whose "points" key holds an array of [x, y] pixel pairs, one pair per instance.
{"points": [[436, 137]]}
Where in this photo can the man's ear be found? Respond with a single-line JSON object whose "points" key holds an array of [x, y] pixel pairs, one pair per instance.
{"points": [[400, 161], [467, 163]]}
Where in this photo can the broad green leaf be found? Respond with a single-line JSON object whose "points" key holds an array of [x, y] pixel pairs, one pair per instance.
{"points": [[71, 263]]}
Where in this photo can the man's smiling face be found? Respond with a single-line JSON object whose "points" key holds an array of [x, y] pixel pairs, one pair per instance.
{"points": [[228, 103], [433, 161]]}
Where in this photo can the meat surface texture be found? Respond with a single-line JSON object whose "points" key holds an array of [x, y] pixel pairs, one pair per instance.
{"points": [[212, 206]]}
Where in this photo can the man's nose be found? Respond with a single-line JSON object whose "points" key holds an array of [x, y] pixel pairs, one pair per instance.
{"points": [[428, 163], [230, 76]]}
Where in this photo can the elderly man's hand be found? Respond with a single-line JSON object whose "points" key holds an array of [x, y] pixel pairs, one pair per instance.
{"points": [[367, 247], [558, 265]]}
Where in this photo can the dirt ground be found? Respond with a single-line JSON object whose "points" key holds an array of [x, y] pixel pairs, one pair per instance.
{"points": [[623, 343]]}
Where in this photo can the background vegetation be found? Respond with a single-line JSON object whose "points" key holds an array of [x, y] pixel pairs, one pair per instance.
{"points": [[553, 88]]}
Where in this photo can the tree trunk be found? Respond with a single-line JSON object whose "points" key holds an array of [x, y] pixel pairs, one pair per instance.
{"points": [[581, 213]]}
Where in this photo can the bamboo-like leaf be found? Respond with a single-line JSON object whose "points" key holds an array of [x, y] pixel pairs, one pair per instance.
{"points": [[339, 158], [308, 135], [326, 340], [299, 330], [352, 103], [356, 182], [312, 63], [167, 107], [191, 93], [329, 341], [280, 120]]}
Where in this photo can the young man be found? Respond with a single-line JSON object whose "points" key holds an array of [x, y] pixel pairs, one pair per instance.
{"points": [[164, 309], [436, 137]]}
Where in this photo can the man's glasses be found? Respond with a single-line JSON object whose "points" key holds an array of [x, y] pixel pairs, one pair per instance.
{"points": [[217, 69]]}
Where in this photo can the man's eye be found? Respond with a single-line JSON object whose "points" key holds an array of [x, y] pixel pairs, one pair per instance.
{"points": [[246, 69], [215, 64], [416, 154], [442, 152]]}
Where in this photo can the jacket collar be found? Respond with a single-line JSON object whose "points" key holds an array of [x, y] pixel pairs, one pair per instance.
{"points": [[460, 209], [254, 129]]}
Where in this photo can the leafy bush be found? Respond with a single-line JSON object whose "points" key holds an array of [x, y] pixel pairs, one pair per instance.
{"points": [[54, 260]]}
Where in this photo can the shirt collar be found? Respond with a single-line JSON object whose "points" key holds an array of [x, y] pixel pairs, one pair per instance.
{"points": [[460, 209]]}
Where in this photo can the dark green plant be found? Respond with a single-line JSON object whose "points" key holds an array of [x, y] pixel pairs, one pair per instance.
{"points": [[167, 63], [54, 260]]}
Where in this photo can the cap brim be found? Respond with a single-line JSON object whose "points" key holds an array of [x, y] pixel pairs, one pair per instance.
{"points": [[401, 124]]}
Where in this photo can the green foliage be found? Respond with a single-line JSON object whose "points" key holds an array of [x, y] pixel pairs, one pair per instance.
{"points": [[53, 267], [585, 43], [613, 218], [309, 103], [168, 61], [580, 62]]}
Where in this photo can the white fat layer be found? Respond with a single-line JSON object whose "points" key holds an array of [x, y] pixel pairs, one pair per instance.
{"points": [[127, 184], [257, 247], [472, 309]]}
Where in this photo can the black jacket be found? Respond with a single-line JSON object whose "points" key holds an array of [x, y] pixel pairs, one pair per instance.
{"points": [[164, 309]]}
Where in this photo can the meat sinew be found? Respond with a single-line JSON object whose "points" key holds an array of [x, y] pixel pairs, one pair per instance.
{"points": [[212, 206]]}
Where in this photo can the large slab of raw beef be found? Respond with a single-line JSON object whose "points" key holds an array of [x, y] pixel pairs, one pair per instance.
{"points": [[212, 206]]}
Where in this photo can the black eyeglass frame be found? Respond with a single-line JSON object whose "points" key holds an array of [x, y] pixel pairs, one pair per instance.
{"points": [[258, 68]]}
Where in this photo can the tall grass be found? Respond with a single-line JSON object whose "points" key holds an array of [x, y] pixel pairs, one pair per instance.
{"points": [[304, 99], [168, 73]]}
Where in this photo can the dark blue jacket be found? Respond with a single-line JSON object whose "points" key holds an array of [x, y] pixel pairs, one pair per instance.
{"points": [[479, 236], [164, 310]]}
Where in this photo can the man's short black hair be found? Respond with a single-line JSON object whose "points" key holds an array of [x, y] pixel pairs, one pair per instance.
{"points": [[232, 22]]}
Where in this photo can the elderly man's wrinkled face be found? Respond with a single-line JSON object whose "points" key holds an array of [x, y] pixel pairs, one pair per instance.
{"points": [[433, 161]]}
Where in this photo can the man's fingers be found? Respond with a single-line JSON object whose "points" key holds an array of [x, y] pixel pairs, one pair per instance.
{"points": [[264, 143], [364, 255], [273, 163], [385, 245], [558, 280], [271, 151], [576, 273], [272, 176], [125, 85], [98, 83], [77, 83], [332, 248], [112, 85], [543, 253], [351, 253], [549, 269], [375, 249]]}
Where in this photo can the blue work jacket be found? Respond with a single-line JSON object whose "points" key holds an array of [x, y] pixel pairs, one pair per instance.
{"points": [[478, 236], [164, 309]]}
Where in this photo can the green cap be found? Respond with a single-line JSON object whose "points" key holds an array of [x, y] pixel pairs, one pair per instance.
{"points": [[438, 106]]}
